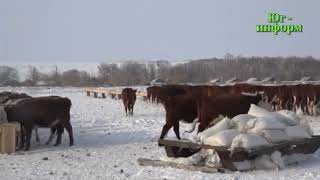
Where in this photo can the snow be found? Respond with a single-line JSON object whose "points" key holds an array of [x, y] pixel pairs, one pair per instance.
{"points": [[108, 144]]}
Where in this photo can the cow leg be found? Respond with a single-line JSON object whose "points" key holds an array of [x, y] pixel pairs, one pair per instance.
{"points": [[132, 109], [126, 108], [59, 131], [281, 105], [22, 138], [129, 108], [294, 104], [313, 108], [165, 130], [68, 127], [317, 110], [176, 129], [37, 134], [52, 132], [28, 130]]}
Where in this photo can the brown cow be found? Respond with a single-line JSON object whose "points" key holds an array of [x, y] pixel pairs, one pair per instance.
{"points": [[51, 111], [178, 108], [128, 98], [7, 98], [228, 105], [180, 104]]}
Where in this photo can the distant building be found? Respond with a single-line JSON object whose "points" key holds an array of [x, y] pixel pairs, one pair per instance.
{"points": [[269, 79], [41, 83], [157, 82], [215, 81], [252, 80], [305, 78], [233, 80]]}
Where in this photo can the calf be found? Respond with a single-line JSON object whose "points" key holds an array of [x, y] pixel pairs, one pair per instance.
{"points": [[128, 98], [51, 111]]}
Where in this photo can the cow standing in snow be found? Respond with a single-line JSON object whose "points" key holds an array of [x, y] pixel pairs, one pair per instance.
{"points": [[51, 112], [128, 98]]}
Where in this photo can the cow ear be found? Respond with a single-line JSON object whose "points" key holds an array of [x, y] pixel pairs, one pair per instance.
{"points": [[135, 90]]}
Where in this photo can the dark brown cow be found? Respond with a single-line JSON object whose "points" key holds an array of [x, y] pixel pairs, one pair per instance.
{"points": [[228, 105], [128, 98], [7, 98], [180, 104], [178, 108], [51, 111]]}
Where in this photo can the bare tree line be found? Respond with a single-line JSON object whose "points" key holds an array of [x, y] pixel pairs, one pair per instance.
{"points": [[195, 71]]}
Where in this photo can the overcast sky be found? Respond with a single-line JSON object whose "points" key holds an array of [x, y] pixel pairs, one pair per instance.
{"points": [[102, 30]]}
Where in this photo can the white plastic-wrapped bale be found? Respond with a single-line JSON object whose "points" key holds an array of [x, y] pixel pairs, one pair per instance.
{"points": [[277, 159], [290, 114], [298, 132], [220, 126], [257, 111], [287, 117], [244, 165], [295, 158], [264, 162], [223, 138], [213, 160], [201, 156], [249, 141], [264, 123], [288, 120], [205, 156], [239, 122], [196, 159], [274, 136]]}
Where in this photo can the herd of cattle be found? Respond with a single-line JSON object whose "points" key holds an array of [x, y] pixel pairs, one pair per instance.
{"points": [[192, 104], [204, 104], [31, 112]]}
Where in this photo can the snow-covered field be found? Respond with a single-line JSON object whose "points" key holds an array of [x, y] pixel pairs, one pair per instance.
{"points": [[108, 144]]}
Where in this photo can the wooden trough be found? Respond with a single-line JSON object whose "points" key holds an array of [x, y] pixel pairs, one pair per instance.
{"points": [[186, 148]]}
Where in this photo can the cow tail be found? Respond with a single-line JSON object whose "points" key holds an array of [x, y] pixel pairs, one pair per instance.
{"points": [[54, 123], [194, 124]]}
